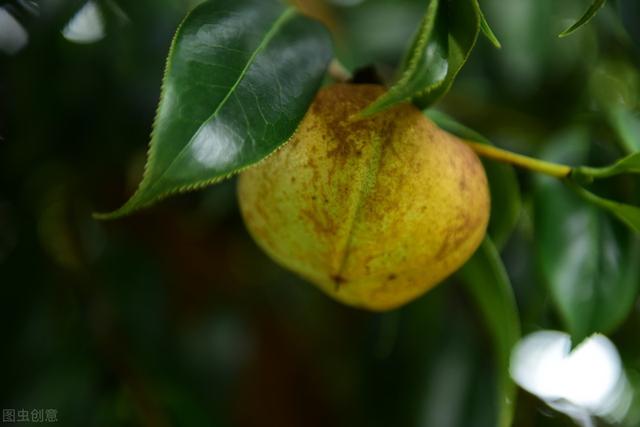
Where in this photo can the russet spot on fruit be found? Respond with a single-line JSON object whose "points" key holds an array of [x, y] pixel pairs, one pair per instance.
{"points": [[375, 211]]}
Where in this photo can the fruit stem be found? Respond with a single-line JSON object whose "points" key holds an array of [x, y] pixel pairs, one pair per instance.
{"points": [[548, 168], [338, 72]]}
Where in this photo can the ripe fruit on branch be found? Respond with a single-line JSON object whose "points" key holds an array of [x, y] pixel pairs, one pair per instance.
{"points": [[374, 211]]}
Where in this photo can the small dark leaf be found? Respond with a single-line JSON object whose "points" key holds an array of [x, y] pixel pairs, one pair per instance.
{"points": [[503, 183], [444, 41], [590, 13], [486, 280], [240, 76], [425, 66]]}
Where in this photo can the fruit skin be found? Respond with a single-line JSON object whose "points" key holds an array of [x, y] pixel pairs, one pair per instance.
{"points": [[375, 211]]}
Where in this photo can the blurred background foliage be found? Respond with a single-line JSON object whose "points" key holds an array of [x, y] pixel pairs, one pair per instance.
{"points": [[174, 317]]}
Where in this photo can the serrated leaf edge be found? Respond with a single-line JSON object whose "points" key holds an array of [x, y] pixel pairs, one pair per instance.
{"points": [[467, 54], [448, 80], [130, 206], [189, 188], [426, 28]]}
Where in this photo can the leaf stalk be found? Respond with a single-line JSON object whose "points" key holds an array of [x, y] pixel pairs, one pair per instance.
{"points": [[556, 170]]}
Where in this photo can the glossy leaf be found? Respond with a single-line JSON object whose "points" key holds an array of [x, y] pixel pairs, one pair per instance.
{"points": [[505, 192], [590, 13], [444, 41], [240, 76], [588, 261], [487, 281]]}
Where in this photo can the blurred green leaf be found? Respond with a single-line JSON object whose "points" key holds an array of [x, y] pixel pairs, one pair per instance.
{"points": [[626, 124], [614, 87], [446, 36], [505, 193], [506, 202], [487, 281], [630, 215], [240, 76], [589, 263], [487, 31], [590, 13], [628, 164]]}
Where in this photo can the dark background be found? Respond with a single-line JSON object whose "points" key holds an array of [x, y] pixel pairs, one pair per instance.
{"points": [[173, 316]]}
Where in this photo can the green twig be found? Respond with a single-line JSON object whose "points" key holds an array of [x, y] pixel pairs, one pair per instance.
{"points": [[556, 170]]}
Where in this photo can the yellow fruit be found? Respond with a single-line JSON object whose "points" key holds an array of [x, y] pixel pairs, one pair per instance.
{"points": [[376, 211]]}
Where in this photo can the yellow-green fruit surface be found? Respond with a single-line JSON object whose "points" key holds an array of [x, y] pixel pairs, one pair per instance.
{"points": [[375, 212]]}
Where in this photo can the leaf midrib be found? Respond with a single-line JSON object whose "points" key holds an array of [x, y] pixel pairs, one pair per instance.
{"points": [[287, 14]]}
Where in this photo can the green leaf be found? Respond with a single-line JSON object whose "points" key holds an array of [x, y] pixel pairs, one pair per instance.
{"points": [[590, 266], [505, 192], [451, 125], [626, 125], [629, 164], [240, 76], [444, 41], [588, 261], [488, 32], [506, 203], [590, 13], [425, 66], [628, 214], [442, 374], [486, 280]]}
